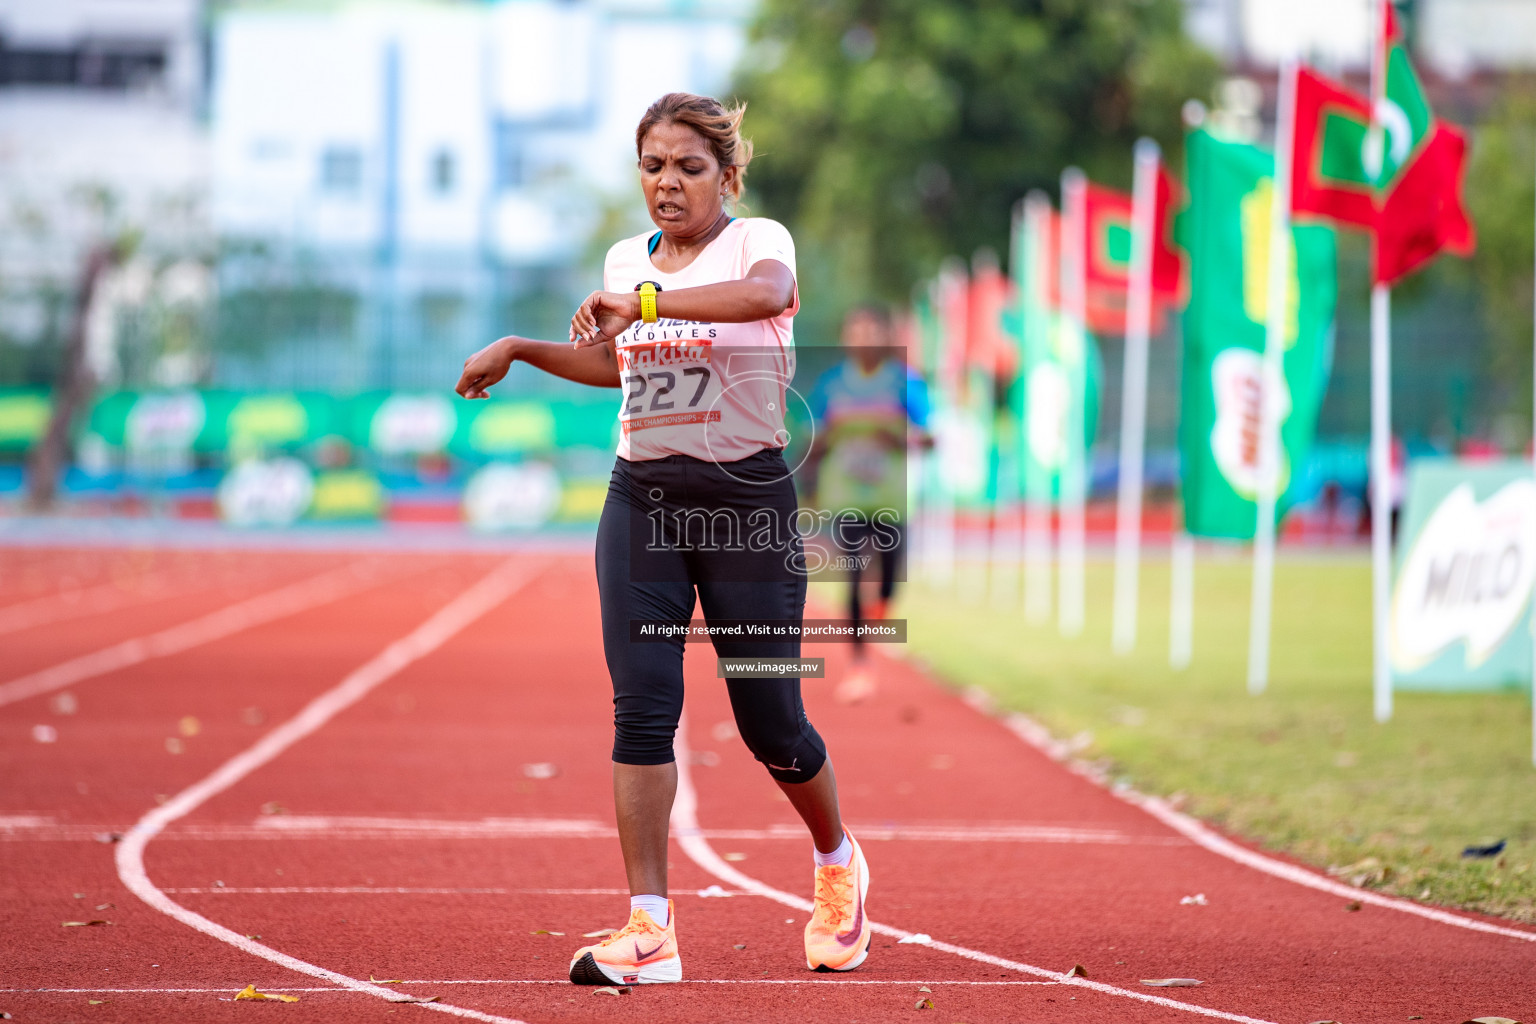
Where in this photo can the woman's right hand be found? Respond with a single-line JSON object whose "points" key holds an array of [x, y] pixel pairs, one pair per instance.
{"points": [[486, 367]]}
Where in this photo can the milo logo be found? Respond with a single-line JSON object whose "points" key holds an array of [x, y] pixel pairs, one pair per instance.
{"points": [[164, 423], [1468, 576], [1237, 386]]}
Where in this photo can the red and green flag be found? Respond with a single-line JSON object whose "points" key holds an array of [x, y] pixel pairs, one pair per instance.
{"points": [[1399, 178], [1108, 254]]}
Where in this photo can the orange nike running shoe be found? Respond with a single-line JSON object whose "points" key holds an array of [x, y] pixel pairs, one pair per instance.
{"points": [[837, 935], [640, 953]]}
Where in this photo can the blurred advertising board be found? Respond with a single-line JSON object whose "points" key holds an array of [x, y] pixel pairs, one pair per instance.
{"points": [[1461, 603], [277, 458]]}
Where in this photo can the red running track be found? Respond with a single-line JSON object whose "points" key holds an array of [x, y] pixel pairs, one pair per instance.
{"points": [[409, 782]]}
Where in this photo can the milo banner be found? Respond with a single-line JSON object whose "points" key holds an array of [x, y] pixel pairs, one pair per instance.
{"points": [[1226, 231], [1461, 604]]}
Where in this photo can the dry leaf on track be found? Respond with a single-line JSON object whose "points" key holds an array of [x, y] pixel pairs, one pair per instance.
{"points": [[1077, 971], [1365, 872], [733, 857], [249, 992], [609, 990], [85, 924], [601, 933], [1172, 982], [1490, 1020], [1325, 1022], [925, 988], [739, 945], [544, 931], [923, 1004], [385, 981]]}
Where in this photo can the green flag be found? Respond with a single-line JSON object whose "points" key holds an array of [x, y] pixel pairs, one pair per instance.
{"points": [[1226, 231], [1052, 366]]}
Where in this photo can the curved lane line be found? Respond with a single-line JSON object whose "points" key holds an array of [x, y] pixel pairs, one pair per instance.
{"points": [[1037, 736], [236, 618], [449, 620], [685, 825]]}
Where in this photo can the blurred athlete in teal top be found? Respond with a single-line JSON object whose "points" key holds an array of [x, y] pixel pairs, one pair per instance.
{"points": [[868, 410]]}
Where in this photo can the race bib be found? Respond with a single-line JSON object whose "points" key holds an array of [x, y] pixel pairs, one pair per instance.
{"points": [[668, 380]]}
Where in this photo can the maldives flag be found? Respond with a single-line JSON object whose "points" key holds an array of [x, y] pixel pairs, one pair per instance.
{"points": [[1421, 165], [1328, 175], [987, 347], [1401, 181], [1108, 252]]}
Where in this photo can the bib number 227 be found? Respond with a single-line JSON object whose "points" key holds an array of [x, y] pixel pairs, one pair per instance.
{"points": [[658, 384]]}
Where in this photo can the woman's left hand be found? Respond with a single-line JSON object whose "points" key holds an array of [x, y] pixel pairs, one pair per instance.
{"points": [[603, 317]]}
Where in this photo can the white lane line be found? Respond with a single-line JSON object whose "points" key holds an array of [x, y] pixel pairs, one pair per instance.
{"points": [[685, 826], [1037, 736], [275, 604], [449, 620], [995, 832], [286, 825], [386, 890], [433, 982], [822, 980], [330, 827], [74, 604]]}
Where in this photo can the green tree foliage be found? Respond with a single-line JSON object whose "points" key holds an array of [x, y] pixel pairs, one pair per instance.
{"points": [[1501, 197], [891, 134]]}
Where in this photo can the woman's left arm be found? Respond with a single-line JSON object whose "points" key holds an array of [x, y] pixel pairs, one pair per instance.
{"points": [[767, 291]]}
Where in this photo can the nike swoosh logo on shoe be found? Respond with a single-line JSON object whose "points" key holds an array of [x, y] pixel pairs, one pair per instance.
{"points": [[853, 934], [639, 956]]}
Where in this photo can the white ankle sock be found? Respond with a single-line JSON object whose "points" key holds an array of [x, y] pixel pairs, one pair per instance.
{"points": [[842, 856], [656, 906]]}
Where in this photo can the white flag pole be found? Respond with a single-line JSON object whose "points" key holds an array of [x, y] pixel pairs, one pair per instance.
{"points": [[1071, 610], [1272, 378], [1381, 498], [1037, 500], [1007, 535], [1381, 431], [1181, 601], [1133, 399], [952, 277]]}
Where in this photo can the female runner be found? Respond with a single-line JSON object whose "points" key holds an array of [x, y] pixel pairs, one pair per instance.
{"points": [[694, 323]]}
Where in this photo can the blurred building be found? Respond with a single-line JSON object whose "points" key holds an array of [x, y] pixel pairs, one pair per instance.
{"points": [[100, 131], [403, 183], [1454, 38]]}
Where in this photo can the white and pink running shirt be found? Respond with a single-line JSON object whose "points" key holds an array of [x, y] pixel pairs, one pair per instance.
{"points": [[714, 391]]}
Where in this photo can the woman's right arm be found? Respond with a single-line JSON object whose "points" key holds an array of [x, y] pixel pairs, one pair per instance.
{"points": [[595, 365]]}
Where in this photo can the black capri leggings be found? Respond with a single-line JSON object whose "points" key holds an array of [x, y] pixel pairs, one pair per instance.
{"points": [[674, 524]]}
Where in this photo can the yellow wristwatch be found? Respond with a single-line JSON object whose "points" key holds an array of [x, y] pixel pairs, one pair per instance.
{"points": [[648, 290]]}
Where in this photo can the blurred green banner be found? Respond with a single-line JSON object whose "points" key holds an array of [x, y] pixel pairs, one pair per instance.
{"points": [[1226, 232]]}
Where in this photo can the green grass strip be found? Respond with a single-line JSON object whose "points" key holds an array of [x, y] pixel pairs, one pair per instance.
{"points": [[1302, 769]]}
